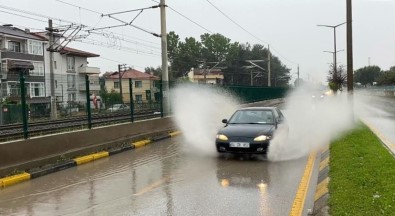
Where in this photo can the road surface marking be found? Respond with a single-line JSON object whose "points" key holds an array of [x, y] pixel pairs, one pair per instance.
{"points": [[298, 204]]}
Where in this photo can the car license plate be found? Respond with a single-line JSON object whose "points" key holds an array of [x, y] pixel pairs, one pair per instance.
{"points": [[239, 144]]}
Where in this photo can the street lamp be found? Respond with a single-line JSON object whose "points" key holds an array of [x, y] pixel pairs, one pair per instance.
{"points": [[334, 42]]}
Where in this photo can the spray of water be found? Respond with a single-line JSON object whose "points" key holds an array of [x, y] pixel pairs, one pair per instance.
{"points": [[199, 110], [313, 122]]}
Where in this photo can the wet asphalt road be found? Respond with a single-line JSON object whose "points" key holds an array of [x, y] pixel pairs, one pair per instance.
{"points": [[160, 179]]}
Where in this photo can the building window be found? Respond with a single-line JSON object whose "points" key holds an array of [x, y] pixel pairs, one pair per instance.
{"points": [[14, 46], [139, 98], [38, 69], [14, 89], [36, 89], [71, 97], [35, 47], [70, 81], [70, 63], [138, 84], [116, 85], [54, 65]]}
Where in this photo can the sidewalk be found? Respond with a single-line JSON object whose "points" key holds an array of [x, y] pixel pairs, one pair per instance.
{"points": [[384, 128]]}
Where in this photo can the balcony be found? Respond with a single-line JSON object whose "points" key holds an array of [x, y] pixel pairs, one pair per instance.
{"points": [[89, 70], [92, 87], [23, 55]]}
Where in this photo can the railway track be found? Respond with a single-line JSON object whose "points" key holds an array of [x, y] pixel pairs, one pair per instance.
{"points": [[15, 131]]}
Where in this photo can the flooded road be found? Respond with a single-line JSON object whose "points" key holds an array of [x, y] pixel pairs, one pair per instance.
{"points": [[164, 178]]}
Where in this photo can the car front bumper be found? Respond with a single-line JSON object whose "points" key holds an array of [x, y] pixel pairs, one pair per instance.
{"points": [[254, 148]]}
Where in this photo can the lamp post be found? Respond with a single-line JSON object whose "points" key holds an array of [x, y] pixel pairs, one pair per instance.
{"points": [[334, 44]]}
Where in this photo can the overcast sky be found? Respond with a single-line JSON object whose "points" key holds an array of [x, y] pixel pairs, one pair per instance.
{"points": [[289, 26]]}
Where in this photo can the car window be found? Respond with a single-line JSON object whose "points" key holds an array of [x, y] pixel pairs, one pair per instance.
{"points": [[252, 117]]}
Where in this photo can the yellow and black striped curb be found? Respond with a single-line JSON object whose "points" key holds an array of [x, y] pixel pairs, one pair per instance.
{"points": [[14, 179], [321, 193]]}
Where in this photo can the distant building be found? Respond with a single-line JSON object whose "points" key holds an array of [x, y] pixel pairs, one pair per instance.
{"points": [[144, 85], [205, 76]]}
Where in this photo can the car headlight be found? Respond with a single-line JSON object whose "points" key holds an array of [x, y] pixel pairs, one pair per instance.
{"points": [[261, 138], [222, 137]]}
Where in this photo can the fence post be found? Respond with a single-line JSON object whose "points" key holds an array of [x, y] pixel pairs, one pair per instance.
{"points": [[88, 101], [23, 102], [161, 97], [131, 100]]}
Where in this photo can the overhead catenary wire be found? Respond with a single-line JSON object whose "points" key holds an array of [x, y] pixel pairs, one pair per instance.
{"points": [[197, 24], [101, 16], [241, 27], [15, 11], [148, 52]]}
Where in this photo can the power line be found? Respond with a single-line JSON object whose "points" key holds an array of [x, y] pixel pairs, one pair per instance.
{"points": [[101, 16], [234, 22], [237, 24], [93, 11], [35, 14], [23, 16], [186, 17], [111, 46], [61, 20]]}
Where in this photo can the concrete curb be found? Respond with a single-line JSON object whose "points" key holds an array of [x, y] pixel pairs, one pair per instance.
{"points": [[35, 173], [384, 140], [321, 197]]}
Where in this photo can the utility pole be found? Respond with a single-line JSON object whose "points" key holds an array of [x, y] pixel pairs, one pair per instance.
{"points": [[120, 81], [268, 66], [350, 70], [298, 72], [165, 73], [51, 70]]}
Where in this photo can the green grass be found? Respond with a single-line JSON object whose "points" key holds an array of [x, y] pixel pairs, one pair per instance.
{"points": [[362, 175]]}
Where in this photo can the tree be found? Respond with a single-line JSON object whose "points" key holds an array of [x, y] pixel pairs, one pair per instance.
{"points": [[232, 56], [216, 47], [110, 98], [339, 80], [367, 75], [156, 71]]}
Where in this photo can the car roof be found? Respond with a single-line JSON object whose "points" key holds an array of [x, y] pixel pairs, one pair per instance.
{"points": [[257, 108]]}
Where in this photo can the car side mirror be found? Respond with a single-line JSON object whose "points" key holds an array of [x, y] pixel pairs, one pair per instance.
{"points": [[225, 121]]}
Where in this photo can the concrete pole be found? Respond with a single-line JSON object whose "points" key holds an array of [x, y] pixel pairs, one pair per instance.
{"points": [[350, 70], [165, 73], [268, 66], [51, 71]]}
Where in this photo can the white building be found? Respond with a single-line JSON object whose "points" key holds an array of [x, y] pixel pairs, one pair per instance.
{"points": [[70, 67]]}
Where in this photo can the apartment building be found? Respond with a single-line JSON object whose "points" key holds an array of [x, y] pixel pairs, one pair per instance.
{"points": [[22, 47]]}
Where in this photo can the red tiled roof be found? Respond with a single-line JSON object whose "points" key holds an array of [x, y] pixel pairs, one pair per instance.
{"points": [[134, 74], [76, 52]]}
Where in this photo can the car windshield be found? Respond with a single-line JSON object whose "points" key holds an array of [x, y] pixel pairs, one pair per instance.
{"points": [[252, 117]]}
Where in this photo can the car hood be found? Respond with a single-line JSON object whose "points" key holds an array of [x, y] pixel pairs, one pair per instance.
{"points": [[247, 130]]}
